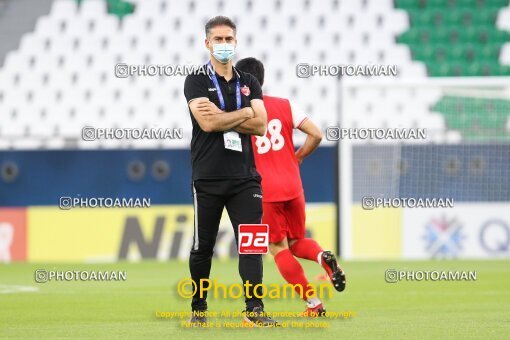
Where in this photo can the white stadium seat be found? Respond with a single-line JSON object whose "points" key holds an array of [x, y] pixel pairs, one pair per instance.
{"points": [[70, 58], [504, 56], [62, 9], [92, 9], [503, 20]]}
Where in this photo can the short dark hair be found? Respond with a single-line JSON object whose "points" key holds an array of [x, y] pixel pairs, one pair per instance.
{"points": [[219, 20], [252, 66]]}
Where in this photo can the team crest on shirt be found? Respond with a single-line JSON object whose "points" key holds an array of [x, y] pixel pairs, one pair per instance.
{"points": [[245, 90]]}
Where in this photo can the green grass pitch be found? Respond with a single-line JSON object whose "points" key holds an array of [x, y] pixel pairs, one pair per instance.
{"points": [[128, 309]]}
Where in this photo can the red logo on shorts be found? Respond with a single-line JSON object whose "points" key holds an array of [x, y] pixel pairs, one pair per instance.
{"points": [[253, 239], [245, 90]]}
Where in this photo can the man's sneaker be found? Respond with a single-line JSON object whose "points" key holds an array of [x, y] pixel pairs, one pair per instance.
{"points": [[335, 273], [198, 318], [314, 312], [258, 318]]}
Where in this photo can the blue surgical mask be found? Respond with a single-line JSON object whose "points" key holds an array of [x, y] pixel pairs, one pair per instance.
{"points": [[223, 52]]}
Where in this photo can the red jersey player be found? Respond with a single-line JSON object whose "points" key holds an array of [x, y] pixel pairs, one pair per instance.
{"points": [[283, 195]]}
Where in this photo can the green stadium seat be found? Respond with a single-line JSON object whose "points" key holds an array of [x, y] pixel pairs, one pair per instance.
{"points": [[459, 52], [473, 117], [441, 35], [409, 37], [469, 52], [434, 69], [455, 37], [490, 51], [465, 17], [437, 3], [487, 16], [120, 8], [409, 4], [457, 122], [456, 69], [437, 17], [469, 34], [482, 3], [491, 120], [488, 68], [499, 36], [454, 34], [423, 52], [473, 70], [504, 70], [426, 35], [444, 70], [444, 52], [456, 17], [421, 18]]}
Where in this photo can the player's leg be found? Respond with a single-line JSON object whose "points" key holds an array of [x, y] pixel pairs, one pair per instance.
{"points": [[276, 247], [309, 249], [208, 205], [285, 216], [245, 207], [290, 268]]}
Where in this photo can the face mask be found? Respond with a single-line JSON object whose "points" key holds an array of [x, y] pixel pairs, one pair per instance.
{"points": [[223, 52]]}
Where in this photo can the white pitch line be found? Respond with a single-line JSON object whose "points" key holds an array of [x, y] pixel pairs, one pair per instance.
{"points": [[10, 289]]}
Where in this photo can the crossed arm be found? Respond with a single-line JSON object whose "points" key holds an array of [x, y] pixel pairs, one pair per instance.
{"points": [[249, 120]]}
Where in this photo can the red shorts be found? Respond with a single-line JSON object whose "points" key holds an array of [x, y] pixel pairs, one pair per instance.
{"points": [[285, 219]]}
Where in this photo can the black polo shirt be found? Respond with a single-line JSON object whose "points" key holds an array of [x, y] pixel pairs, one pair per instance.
{"points": [[209, 158]]}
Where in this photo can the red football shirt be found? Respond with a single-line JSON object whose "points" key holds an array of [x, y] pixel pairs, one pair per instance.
{"points": [[274, 153]]}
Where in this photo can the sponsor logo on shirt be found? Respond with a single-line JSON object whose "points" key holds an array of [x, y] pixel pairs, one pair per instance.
{"points": [[245, 90]]}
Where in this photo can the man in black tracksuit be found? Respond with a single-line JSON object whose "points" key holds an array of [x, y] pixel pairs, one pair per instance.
{"points": [[226, 107]]}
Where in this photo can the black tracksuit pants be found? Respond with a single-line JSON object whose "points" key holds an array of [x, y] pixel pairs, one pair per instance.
{"points": [[243, 201]]}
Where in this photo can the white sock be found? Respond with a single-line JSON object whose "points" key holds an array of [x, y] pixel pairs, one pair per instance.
{"points": [[313, 302], [319, 258]]}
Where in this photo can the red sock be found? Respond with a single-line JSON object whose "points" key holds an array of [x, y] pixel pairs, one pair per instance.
{"points": [[293, 273], [306, 248]]}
